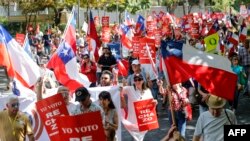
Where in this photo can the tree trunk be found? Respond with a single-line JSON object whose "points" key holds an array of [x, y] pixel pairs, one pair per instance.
{"points": [[202, 5]]}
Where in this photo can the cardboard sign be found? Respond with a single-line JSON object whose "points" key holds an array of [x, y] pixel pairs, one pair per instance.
{"points": [[243, 11], [20, 38], [144, 58], [105, 21], [146, 115], [50, 108], [105, 35], [157, 34], [136, 46], [83, 127], [151, 26]]}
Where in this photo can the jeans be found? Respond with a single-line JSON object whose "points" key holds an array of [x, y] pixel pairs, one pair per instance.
{"points": [[47, 50], [180, 120], [247, 70]]}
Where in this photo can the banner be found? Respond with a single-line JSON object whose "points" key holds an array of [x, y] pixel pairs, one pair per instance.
{"points": [[146, 115], [105, 21], [157, 34], [211, 41], [143, 55], [20, 38], [136, 46], [96, 21], [48, 109], [105, 34], [81, 127], [151, 26]]}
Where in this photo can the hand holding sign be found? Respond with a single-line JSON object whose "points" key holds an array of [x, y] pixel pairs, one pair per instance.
{"points": [[146, 114]]}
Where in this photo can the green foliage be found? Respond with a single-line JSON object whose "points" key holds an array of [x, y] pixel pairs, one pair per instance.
{"points": [[62, 26], [222, 5]]}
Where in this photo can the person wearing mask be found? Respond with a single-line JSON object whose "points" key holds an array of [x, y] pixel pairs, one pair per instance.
{"points": [[15, 125]]}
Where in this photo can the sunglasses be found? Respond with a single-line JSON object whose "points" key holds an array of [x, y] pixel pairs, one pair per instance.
{"points": [[138, 79], [15, 105], [85, 58]]}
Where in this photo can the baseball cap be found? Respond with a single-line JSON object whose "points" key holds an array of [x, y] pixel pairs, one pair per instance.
{"points": [[135, 62], [81, 94], [138, 75]]}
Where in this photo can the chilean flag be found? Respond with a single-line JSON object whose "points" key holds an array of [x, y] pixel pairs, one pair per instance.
{"points": [[128, 21], [64, 63], [234, 39], [126, 36], [243, 31], [115, 50], [94, 40], [25, 69], [5, 59], [212, 71], [140, 26]]}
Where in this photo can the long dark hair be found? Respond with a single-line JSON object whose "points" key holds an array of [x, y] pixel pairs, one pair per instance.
{"points": [[144, 86], [106, 95]]}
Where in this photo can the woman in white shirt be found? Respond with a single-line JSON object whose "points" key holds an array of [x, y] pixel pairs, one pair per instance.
{"points": [[134, 93]]}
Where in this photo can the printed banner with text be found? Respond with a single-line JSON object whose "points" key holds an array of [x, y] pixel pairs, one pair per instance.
{"points": [[105, 21], [83, 127], [144, 58], [48, 109], [146, 115], [20, 38]]}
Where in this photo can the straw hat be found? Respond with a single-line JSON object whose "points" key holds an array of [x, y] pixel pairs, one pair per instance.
{"points": [[215, 102]]}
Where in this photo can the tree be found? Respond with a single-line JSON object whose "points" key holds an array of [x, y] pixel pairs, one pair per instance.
{"points": [[222, 5]]}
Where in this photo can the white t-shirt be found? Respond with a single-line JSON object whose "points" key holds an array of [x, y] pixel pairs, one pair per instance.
{"points": [[71, 108], [212, 128], [131, 122]]}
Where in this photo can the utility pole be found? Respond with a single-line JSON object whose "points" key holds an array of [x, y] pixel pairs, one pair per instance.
{"points": [[8, 10], [117, 16], [78, 16]]}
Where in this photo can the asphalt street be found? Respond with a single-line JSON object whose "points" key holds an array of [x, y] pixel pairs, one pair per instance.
{"points": [[242, 114]]}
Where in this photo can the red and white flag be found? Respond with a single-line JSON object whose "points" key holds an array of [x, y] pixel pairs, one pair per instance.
{"points": [[243, 31]]}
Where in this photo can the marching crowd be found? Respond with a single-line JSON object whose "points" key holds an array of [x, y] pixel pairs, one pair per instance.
{"points": [[138, 85]]}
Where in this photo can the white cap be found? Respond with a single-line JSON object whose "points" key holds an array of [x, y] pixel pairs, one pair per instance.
{"points": [[135, 62]]}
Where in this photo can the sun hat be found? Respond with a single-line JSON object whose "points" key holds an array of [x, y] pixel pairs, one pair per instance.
{"points": [[215, 101]]}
